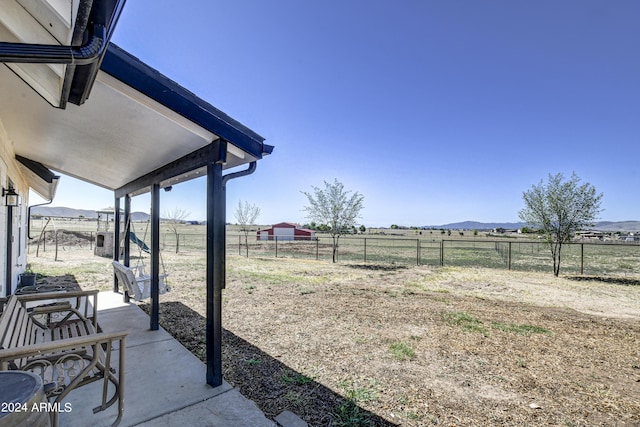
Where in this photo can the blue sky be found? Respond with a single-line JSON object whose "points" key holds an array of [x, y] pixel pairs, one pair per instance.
{"points": [[435, 111]]}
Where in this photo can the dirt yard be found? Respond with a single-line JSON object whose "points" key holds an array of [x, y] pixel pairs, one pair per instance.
{"points": [[356, 344]]}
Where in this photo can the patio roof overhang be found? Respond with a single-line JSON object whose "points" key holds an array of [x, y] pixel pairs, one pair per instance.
{"points": [[135, 122], [138, 131]]}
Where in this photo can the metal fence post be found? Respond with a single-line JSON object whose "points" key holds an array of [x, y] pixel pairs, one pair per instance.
{"points": [[276, 246], [442, 253], [417, 251], [55, 258], [317, 248], [509, 257], [365, 249], [581, 259]]}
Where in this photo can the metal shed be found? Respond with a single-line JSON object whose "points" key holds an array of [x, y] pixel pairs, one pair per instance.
{"points": [[286, 231]]}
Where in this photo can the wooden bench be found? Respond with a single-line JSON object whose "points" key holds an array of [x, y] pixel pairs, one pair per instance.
{"points": [[137, 286], [56, 335]]}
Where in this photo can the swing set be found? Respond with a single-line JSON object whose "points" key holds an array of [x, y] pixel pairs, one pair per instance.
{"points": [[134, 280]]}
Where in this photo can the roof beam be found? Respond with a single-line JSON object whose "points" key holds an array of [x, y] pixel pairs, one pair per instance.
{"points": [[216, 152]]}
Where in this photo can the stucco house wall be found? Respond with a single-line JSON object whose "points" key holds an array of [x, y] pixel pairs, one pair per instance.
{"points": [[10, 173]]}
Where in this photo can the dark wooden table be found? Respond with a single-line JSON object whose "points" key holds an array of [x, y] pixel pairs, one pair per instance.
{"points": [[22, 400]]}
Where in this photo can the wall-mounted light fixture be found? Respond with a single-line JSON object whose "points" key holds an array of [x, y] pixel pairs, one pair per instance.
{"points": [[10, 196]]}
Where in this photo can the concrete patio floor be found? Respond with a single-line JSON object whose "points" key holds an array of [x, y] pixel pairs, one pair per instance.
{"points": [[164, 383]]}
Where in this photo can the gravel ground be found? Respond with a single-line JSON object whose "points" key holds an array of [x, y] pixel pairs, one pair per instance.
{"points": [[349, 345]]}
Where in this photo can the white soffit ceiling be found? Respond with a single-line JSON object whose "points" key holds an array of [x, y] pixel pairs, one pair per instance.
{"points": [[117, 136]]}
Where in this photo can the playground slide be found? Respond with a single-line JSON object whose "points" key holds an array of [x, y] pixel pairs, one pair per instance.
{"points": [[142, 245]]}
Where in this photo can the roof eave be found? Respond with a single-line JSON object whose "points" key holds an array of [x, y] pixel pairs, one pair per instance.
{"points": [[131, 71], [39, 177], [81, 78], [91, 33]]}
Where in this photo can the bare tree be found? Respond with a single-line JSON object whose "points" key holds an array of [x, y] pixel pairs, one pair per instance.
{"points": [[173, 220], [559, 209], [246, 215], [335, 207]]}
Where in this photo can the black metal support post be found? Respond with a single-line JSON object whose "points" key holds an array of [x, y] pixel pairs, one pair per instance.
{"points": [[127, 242], [127, 230], [9, 250], [215, 271], [116, 238], [155, 257], [216, 247]]}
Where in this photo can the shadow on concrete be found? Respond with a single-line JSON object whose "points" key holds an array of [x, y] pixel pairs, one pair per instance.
{"points": [[271, 384]]}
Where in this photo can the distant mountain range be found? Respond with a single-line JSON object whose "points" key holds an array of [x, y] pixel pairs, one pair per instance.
{"points": [[617, 226], [465, 225], [474, 225], [51, 211]]}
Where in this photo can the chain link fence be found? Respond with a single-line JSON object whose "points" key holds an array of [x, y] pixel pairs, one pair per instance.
{"points": [[621, 258], [605, 258]]}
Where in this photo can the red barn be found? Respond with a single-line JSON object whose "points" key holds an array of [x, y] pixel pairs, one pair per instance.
{"points": [[286, 231]]}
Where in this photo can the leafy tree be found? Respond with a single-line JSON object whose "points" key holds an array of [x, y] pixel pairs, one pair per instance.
{"points": [[559, 209], [322, 228], [335, 207], [173, 220], [363, 229], [528, 230], [246, 215]]}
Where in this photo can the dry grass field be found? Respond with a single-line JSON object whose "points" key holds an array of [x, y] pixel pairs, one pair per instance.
{"points": [[357, 344]]}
